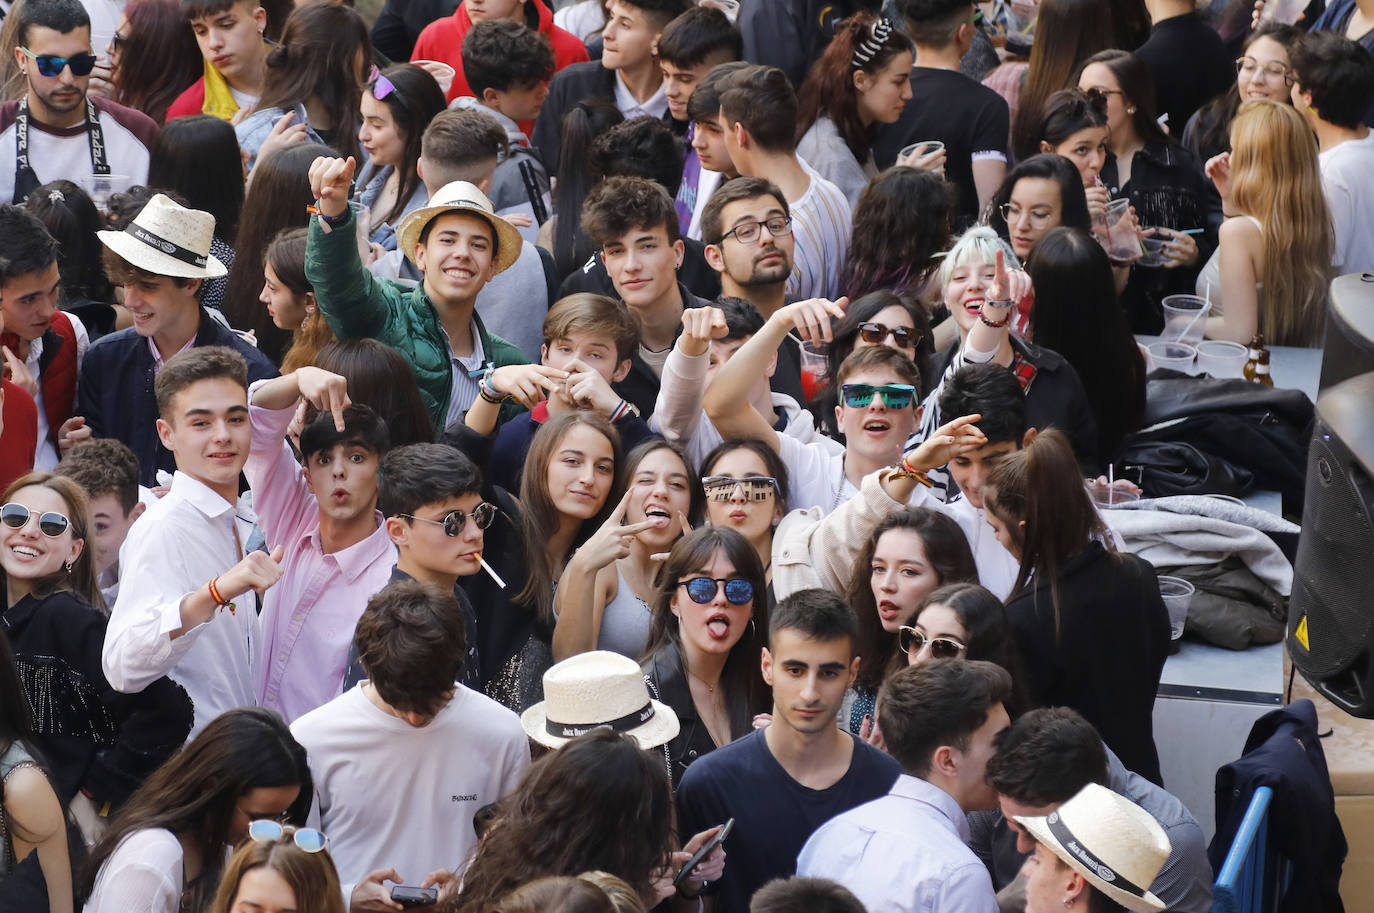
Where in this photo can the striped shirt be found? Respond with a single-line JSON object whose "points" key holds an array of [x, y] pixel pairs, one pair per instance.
{"points": [[821, 222]]}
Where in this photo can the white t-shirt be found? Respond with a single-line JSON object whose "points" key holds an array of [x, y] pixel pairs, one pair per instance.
{"points": [[391, 795], [144, 873], [1346, 180], [821, 222]]}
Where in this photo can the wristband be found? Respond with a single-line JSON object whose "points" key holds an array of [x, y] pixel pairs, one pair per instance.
{"points": [[219, 600], [905, 470], [1000, 302], [489, 393], [622, 410], [996, 325]]}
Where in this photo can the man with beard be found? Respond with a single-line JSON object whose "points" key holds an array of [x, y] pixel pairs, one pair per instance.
{"points": [[56, 131], [755, 269]]}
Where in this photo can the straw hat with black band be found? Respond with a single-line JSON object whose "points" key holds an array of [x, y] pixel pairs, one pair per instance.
{"points": [[595, 690], [167, 239], [460, 197], [1112, 842]]}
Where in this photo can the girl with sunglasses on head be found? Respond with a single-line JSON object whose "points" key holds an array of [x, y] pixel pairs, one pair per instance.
{"points": [[100, 744], [279, 869], [396, 107], [605, 590], [877, 319], [862, 80], [983, 286], [1163, 181], [165, 850], [569, 488], [709, 627], [1089, 623], [909, 554]]}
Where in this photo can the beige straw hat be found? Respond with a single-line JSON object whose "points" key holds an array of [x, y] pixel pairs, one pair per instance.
{"points": [[460, 196], [167, 239], [1109, 840], [596, 689]]}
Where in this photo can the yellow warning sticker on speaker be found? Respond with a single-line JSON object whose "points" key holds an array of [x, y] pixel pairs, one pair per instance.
{"points": [[1301, 634]]}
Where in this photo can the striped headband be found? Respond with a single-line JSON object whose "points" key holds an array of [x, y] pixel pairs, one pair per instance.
{"points": [[870, 46]]}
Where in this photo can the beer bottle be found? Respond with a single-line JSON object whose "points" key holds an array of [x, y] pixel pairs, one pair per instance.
{"points": [[1256, 346]]}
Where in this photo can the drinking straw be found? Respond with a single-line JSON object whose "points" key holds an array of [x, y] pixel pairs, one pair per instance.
{"points": [[1111, 477], [1201, 311]]}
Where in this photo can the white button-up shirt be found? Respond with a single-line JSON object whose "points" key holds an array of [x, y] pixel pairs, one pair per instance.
{"points": [[905, 852], [177, 546]]}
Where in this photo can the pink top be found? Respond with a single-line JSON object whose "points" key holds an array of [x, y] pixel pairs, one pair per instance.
{"points": [[309, 616]]}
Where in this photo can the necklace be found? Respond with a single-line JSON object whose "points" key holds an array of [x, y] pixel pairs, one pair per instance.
{"points": [[710, 688]]}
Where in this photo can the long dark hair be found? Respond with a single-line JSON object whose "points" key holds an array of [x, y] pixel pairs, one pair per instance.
{"points": [[577, 174], [276, 200], [829, 87], [196, 793], [286, 257], [380, 377], [599, 803], [198, 157], [741, 675], [1066, 33], [70, 216], [16, 717], [1137, 88], [158, 60], [1042, 486], [901, 223], [413, 104], [1076, 314], [948, 553], [539, 517], [1213, 131], [318, 56], [80, 578], [1049, 166]]}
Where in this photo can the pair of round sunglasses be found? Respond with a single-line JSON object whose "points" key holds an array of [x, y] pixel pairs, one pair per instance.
{"points": [[50, 523], [702, 590], [912, 641], [265, 830]]}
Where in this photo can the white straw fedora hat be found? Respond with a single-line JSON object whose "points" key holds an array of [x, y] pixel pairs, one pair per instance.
{"points": [[1109, 840], [596, 689], [167, 239], [460, 196]]}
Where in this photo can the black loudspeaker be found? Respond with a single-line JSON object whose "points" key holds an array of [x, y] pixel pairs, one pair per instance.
{"points": [[1349, 347], [1331, 610]]}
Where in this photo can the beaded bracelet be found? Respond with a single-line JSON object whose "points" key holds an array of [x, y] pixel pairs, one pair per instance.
{"points": [[906, 471]]}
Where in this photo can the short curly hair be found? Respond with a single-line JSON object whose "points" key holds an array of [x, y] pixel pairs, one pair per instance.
{"points": [[103, 466], [619, 205], [505, 55], [411, 641]]}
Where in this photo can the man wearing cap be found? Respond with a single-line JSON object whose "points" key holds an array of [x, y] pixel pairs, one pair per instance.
{"points": [[161, 259], [459, 244], [907, 852], [1097, 846]]}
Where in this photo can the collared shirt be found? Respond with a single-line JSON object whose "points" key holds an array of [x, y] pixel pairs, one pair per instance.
{"points": [[158, 360], [309, 616], [464, 387], [48, 456], [904, 852], [653, 106], [180, 543]]}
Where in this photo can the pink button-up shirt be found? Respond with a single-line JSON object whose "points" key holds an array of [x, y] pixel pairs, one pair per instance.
{"points": [[309, 617]]}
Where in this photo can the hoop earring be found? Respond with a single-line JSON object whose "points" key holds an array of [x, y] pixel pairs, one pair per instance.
{"points": [[1131, 109], [66, 567]]}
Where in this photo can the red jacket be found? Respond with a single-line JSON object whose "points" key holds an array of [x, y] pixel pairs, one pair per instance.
{"points": [[442, 40], [19, 437], [56, 370]]}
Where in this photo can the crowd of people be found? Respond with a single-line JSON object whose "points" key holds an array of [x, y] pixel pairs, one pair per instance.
{"points": [[634, 454]]}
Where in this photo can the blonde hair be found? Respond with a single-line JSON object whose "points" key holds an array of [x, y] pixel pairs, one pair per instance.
{"points": [[624, 898], [1275, 179], [312, 876], [979, 244]]}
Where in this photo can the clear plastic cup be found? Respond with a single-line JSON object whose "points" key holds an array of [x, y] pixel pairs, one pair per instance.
{"points": [[1153, 248], [100, 187], [1220, 358], [1185, 318], [1178, 595], [1116, 231], [1285, 11], [813, 368], [443, 73], [1176, 356]]}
